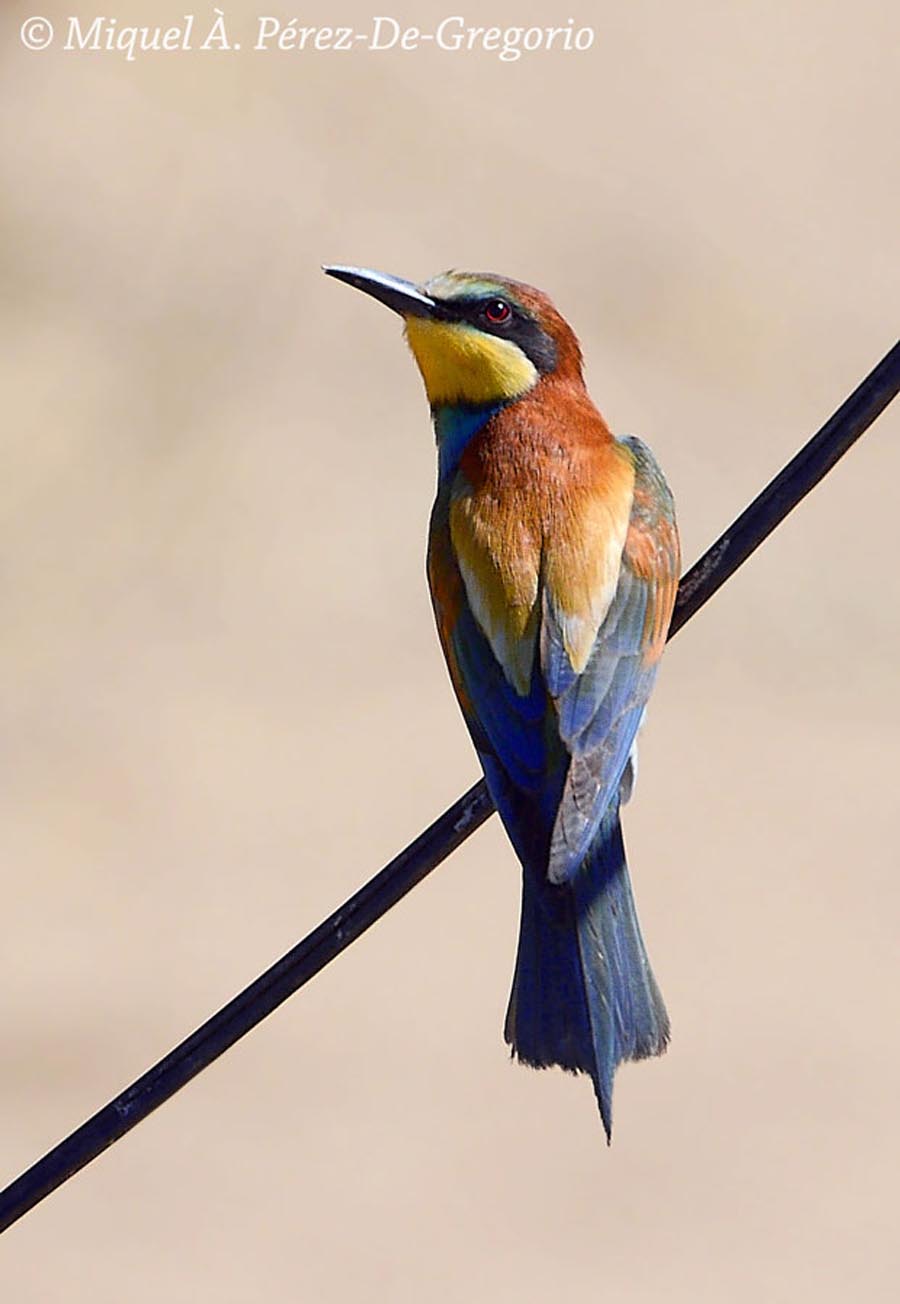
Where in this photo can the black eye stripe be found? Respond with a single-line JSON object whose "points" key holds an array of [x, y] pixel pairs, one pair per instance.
{"points": [[473, 310], [519, 327]]}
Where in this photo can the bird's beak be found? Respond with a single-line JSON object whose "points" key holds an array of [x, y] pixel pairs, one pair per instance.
{"points": [[402, 296]]}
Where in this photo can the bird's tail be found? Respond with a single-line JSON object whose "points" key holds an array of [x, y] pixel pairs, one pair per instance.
{"points": [[583, 995]]}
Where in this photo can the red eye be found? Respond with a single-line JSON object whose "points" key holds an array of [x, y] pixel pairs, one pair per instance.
{"points": [[497, 312]]}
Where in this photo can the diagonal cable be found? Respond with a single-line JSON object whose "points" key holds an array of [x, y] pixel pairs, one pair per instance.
{"points": [[366, 906]]}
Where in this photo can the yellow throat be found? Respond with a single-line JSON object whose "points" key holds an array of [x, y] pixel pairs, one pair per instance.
{"points": [[460, 364]]}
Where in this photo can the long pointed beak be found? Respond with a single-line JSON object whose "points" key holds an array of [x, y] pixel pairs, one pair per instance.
{"points": [[402, 296]]}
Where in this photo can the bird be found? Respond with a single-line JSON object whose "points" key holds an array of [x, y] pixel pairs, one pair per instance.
{"points": [[553, 564]]}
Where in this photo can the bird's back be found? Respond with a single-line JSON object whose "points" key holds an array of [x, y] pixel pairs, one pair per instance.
{"points": [[525, 559]]}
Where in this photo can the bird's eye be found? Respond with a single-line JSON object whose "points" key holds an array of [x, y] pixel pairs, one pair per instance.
{"points": [[497, 312]]}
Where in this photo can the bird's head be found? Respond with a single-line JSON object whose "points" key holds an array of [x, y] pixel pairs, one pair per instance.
{"points": [[479, 340]]}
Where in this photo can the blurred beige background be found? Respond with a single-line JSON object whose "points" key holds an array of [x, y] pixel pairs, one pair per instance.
{"points": [[222, 706]]}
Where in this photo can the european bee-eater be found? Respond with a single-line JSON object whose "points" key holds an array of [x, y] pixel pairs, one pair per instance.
{"points": [[553, 563]]}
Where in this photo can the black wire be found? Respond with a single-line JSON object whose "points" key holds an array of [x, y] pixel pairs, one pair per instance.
{"points": [[781, 495], [467, 814]]}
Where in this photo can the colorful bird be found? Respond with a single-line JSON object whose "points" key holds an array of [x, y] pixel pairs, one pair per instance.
{"points": [[553, 563]]}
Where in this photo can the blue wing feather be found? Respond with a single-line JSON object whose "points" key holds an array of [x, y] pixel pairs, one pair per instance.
{"points": [[600, 711], [505, 723]]}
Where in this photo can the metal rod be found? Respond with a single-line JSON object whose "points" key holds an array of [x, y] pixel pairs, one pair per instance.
{"points": [[433, 846]]}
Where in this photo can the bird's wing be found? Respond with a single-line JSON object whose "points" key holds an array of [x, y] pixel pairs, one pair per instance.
{"points": [[490, 663], [495, 669], [600, 705]]}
